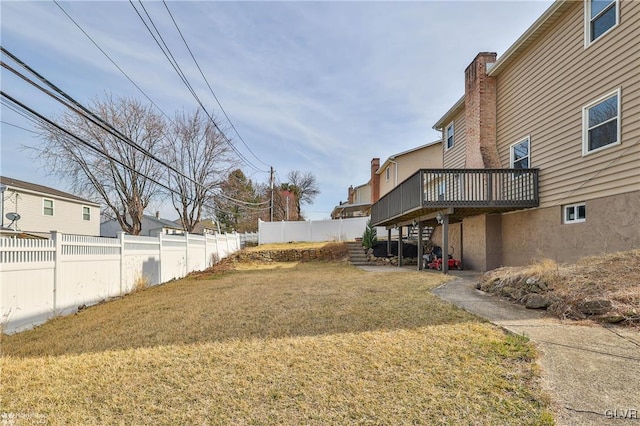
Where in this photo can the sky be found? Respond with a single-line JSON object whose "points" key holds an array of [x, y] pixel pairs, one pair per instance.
{"points": [[319, 87]]}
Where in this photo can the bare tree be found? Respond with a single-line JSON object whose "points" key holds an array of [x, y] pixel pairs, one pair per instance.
{"points": [[197, 149], [304, 188], [123, 176]]}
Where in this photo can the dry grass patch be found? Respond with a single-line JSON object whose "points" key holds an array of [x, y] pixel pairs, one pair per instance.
{"points": [[614, 278], [321, 343]]}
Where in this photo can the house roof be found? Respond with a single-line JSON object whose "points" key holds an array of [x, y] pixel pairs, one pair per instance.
{"points": [[350, 208], [205, 224], [164, 223], [457, 107], [400, 154], [42, 190], [546, 20]]}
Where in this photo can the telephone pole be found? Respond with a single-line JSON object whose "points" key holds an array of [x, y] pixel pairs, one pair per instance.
{"points": [[271, 182]]}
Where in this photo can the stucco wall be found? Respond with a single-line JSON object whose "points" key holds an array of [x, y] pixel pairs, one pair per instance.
{"points": [[474, 243], [612, 224], [455, 239]]}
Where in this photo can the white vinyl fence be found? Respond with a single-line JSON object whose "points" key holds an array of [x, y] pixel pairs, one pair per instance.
{"points": [[41, 279], [311, 230]]}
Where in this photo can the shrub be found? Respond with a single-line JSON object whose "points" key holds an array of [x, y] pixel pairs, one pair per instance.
{"points": [[370, 236]]}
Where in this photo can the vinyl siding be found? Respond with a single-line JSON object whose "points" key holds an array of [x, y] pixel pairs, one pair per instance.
{"points": [[543, 91], [429, 157], [67, 215], [454, 158]]}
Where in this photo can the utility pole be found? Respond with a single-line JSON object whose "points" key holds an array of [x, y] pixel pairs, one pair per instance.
{"points": [[271, 180]]}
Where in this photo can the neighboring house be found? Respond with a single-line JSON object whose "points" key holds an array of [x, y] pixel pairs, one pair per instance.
{"points": [[393, 171], [151, 226], [541, 154], [42, 209], [205, 227], [358, 203], [401, 166]]}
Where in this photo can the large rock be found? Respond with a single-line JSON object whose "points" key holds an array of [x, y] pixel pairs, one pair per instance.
{"points": [[537, 301], [594, 307]]}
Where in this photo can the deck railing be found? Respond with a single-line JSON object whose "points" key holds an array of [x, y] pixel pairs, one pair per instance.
{"points": [[451, 188]]}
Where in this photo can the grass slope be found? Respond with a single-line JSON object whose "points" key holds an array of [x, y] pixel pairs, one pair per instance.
{"points": [[320, 343]]}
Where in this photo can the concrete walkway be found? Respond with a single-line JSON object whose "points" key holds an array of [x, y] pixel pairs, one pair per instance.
{"points": [[592, 373]]}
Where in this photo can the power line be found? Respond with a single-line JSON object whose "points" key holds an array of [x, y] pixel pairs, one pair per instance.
{"points": [[159, 40], [81, 110], [18, 127], [63, 98], [209, 86], [37, 117], [111, 60]]}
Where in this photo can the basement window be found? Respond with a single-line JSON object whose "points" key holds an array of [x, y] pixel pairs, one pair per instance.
{"points": [[575, 213]]}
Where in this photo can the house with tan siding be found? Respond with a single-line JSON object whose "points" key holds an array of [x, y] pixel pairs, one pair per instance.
{"points": [[384, 178], [399, 167], [43, 209], [541, 155]]}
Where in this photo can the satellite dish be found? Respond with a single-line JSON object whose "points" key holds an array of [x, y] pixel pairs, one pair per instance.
{"points": [[12, 216]]}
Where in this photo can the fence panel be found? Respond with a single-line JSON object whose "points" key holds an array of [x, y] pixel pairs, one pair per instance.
{"points": [[173, 257], [319, 230], [89, 271], [26, 288], [43, 278], [196, 247], [141, 262]]}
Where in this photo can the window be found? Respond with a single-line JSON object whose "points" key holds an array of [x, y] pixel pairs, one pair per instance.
{"points": [[450, 136], [575, 213], [520, 154], [600, 17], [86, 213], [388, 173], [601, 123], [47, 207]]}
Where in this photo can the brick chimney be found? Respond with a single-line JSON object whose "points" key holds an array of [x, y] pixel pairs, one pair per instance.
{"points": [[350, 196], [480, 114], [375, 180]]}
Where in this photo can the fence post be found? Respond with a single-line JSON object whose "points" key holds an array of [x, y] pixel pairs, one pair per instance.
{"points": [[121, 240], [340, 230], [206, 249], [57, 273], [186, 254], [159, 257], [228, 248]]}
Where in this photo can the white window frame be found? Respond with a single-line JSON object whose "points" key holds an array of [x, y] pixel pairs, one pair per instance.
{"points": [[575, 207], [585, 123], [388, 173], [587, 22], [446, 136], [526, 139], [86, 207], [53, 207]]}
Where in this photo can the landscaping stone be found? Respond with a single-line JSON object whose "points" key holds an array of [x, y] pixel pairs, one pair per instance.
{"points": [[536, 301], [594, 307]]}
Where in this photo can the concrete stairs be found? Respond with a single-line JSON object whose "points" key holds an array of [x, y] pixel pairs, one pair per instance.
{"points": [[357, 255]]}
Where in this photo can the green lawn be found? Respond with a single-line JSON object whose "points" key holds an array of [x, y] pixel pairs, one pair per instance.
{"points": [[319, 343]]}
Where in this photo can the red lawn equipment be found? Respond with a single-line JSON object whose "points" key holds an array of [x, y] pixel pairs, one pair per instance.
{"points": [[434, 260]]}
